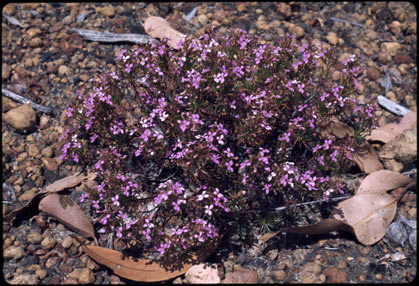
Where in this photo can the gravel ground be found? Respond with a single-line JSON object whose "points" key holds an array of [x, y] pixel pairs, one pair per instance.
{"points": [[44, 62]]}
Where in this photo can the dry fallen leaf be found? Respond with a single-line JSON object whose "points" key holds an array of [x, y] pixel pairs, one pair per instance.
{"points": [[367, 158], [340, 130], [241, 277], [367, 214], [57, 186], [387, 132], [158, 27], [68, 212], [68, 182], [382, 181], [137, 270], [146, 270]]}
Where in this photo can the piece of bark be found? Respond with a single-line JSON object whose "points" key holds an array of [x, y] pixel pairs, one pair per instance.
{"points": [[23, 100], [108, 37]]}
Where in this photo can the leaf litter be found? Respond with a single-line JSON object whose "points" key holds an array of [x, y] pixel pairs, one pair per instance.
{"points": [[367, 214]]}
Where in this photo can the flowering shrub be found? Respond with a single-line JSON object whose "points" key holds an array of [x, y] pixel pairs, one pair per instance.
{"points": [[182, 141]]}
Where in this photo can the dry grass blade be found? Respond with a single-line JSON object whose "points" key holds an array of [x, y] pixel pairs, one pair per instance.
{"points": [[68, 212], [382, 181]]}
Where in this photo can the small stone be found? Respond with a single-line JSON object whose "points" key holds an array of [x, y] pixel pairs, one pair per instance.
{"points": [[70, 281], [22, 118], [50, 164], [33, 150], [202, 19], [63, 70], [402, 59], [35, 42], [26, 279], [9, 9], [390, 95], [32, 32], [332, 38], [297, 31], [41, 273], [43, 122], [390, 48], [373, 73], [202, 273], [14, 252], [48, 242], [107, 11], [47, 152], [34, 237], [86, 276], [26, 196], [67, 242], [336, 275], [284, 9], [52, 262], [279, 275], [310, 272], [5, 71]]}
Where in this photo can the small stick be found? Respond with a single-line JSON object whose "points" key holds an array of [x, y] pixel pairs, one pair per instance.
{"points": [[345, 21], [313, 202], [392, 107], [24, 100], [112, 37]]}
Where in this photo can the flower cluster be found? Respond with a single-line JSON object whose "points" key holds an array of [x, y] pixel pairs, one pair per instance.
{"points": [[182, 140]]}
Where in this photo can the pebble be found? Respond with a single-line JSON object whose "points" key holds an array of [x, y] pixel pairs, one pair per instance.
{"points": [[43, 122], [297, 31], [50, 164], [107, 11], [5, 71], [33, 150], [284, 9], [67, 242], [279, 275], [86, 276], [390, 48], [14, 252], [332, 38], [9, 9], [34, 237], [32, 32], [336, 275], [48, 242], [310, 272], [26, 279], [63, 70], [373, 73], [202, 19], [35, 42], [22, 118], [26, 196], [47, 152], [41, 273]]}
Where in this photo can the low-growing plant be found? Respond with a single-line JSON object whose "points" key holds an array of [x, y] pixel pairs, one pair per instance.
{"points": [[185, 140]]}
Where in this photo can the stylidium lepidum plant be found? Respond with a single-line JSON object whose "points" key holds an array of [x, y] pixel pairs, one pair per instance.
{"points": [[184, 140]]}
